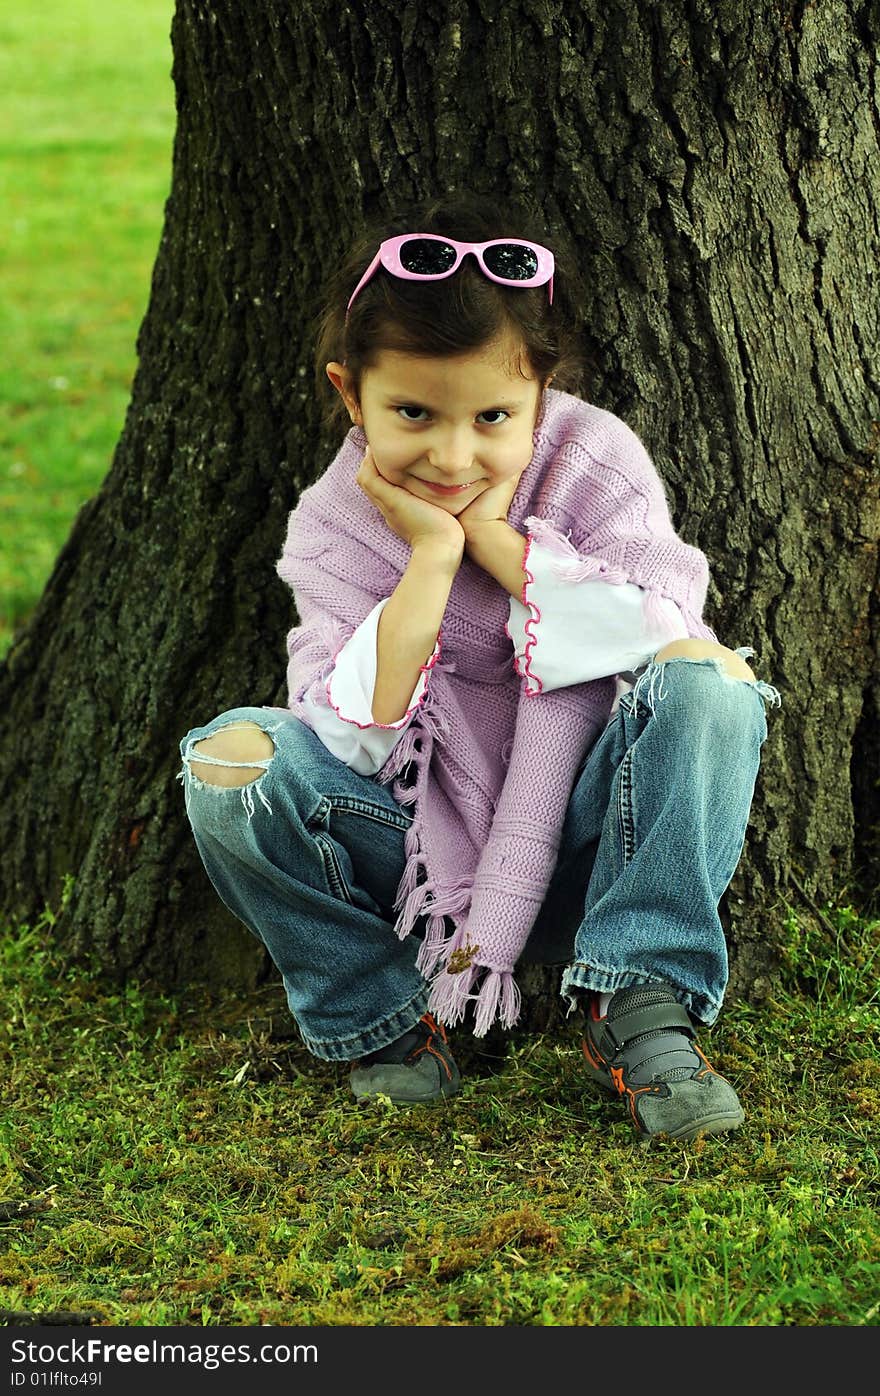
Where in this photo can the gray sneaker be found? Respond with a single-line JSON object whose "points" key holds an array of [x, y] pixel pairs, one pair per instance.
{"points": [[416, 1067], [644, 1051]]}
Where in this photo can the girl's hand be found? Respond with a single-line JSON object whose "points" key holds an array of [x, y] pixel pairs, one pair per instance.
{"points": [[493, 504], [415, 520]]}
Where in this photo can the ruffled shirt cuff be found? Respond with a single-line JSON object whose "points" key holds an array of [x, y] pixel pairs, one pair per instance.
{"points": [[340, 708], [567, 632]]}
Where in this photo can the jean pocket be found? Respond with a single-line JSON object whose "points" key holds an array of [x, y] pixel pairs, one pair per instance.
{"points": [[337, 884], [352, 850]]}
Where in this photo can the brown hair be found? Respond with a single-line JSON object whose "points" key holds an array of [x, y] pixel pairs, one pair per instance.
{"points": [[462, 312]]}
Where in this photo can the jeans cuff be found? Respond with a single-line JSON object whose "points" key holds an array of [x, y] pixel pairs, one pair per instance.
{"points": [[349, 1049], [580, 979]]}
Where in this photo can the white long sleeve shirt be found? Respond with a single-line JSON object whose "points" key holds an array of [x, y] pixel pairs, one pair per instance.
{"points": [[570, 632]]}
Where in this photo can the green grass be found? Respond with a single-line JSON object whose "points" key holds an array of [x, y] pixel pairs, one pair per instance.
{"points": [[86, 127], [203, 1169]]}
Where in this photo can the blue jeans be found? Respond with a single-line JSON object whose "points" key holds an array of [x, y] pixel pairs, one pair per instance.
{"points": [[309, 855]]}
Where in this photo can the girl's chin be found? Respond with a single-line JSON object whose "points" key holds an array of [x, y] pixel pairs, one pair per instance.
{"points": [[452, 503]]}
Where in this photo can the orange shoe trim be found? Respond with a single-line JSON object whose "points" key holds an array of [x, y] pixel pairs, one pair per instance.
{"points": [[631, 1093], [592, 1054], [440, 1031], [707, 1068], [441, 1059]]}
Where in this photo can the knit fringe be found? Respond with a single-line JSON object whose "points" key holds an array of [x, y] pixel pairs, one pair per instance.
{"points": [[653, 614], [696, 627], [455, 898], [497, 997], [571, 567], [452, 990], [403, 752], [588, 567], [433, 724], [412, 904], [452, 902], [411, 894], [433, 947], [405, 794], [450, 995], [334, 634], [410, 880], [415, 899], [459, 940], [550, 537]]}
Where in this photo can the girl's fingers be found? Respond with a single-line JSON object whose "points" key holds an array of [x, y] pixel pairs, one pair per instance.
{"points": [[368, 465], [373, 482], [367, 468]]}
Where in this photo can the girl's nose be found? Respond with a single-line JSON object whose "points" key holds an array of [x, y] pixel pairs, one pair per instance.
{"points": [[452, 454]]}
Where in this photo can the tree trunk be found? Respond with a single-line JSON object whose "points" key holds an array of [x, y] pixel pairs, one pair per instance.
{"points": [[717, 167]]}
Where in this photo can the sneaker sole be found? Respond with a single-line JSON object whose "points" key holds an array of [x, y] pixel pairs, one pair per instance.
{"points": [[713, 1124], [373, 1094]]}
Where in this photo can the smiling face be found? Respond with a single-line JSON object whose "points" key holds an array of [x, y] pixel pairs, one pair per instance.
{"points": [[445, 429]]}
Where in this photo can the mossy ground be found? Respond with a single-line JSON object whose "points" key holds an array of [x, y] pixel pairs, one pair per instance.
{"points": [[203, 1169]]}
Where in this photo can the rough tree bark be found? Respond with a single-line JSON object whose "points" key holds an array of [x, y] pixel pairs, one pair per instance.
{"points": [[717, 166]]}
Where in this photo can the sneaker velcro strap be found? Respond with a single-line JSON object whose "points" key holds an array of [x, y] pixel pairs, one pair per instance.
{"points": [[653, 1017]]}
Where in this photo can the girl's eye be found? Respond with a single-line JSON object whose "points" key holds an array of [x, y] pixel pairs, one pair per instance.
{"points": [[408, 408]]}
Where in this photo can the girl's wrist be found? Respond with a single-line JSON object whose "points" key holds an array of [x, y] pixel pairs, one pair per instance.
{"points": [[438, 553], [500, 549], [476, 528]]}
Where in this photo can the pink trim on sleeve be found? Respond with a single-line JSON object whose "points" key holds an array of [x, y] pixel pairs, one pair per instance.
{"points": [[424, 670], [522, 664]]}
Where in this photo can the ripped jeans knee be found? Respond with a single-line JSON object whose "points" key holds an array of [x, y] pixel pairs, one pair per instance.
{"points": [[649, 687], [246, 791]]}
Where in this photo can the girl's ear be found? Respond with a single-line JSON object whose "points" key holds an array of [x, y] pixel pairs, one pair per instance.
{"points": [[340, 377]]}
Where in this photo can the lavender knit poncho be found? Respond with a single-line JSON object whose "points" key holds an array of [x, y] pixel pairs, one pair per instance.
{"points": [[487, 769]]}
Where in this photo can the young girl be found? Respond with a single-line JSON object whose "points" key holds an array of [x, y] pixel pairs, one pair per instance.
{"points": [[510, 735]]}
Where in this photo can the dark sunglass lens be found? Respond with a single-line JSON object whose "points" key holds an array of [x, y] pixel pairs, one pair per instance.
{"points": [[424, 257], [512, 262]]}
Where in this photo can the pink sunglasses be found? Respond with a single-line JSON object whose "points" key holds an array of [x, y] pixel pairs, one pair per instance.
{"points": [[430, 257]]}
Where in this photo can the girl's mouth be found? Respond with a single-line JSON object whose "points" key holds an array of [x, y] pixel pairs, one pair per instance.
{"points": [[449, 489]]}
